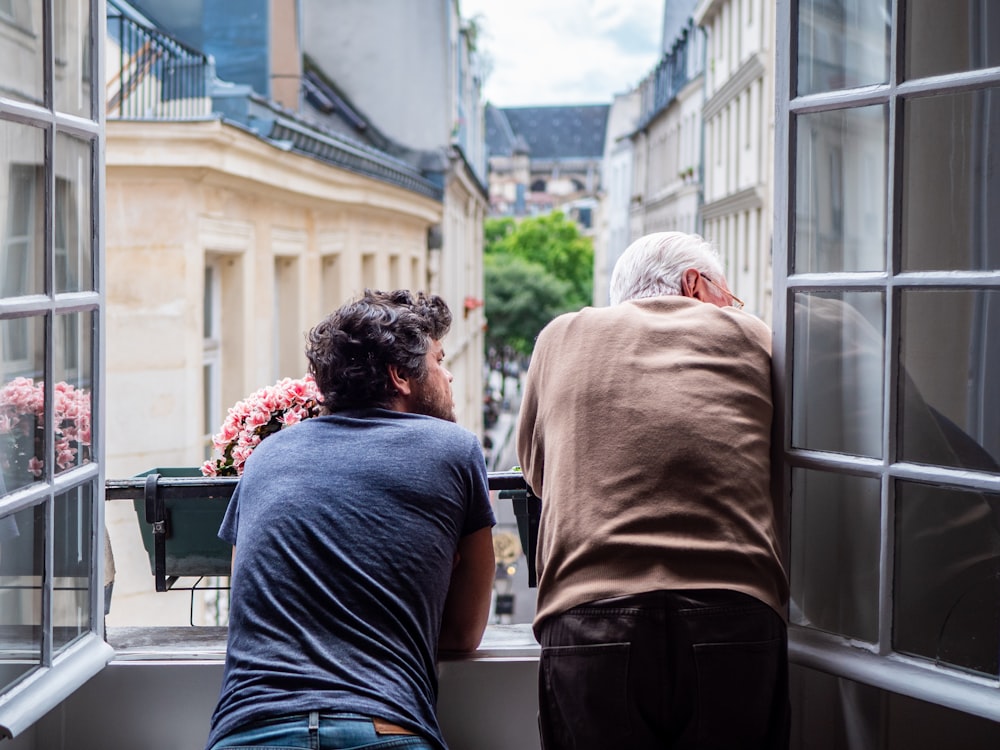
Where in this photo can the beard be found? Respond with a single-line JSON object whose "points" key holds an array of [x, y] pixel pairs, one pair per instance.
{"points": [[433, 402]]}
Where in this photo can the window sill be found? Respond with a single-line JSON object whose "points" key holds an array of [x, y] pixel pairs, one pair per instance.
{"points": [[183, 643]]}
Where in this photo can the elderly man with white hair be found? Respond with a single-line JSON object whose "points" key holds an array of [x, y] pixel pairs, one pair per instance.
{"points": [[645, 429]]}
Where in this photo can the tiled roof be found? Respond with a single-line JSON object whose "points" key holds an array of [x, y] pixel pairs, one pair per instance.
{"points": [[548, 132]]}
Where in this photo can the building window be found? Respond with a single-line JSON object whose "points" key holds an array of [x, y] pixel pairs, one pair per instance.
{"points": [[887, 279], [288, 328], [211, 378]]}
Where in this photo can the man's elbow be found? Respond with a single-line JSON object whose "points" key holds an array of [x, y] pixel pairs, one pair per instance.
{"points": [[460, 642]]}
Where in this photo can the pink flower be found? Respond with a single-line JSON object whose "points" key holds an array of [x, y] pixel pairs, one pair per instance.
{"points": [[22, 416], [260, 414]]}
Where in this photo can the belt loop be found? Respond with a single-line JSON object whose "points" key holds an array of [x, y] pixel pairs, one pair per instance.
{"points": [[314, 730]]}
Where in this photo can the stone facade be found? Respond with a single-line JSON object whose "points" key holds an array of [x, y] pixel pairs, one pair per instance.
{"points": [[739, 143]]}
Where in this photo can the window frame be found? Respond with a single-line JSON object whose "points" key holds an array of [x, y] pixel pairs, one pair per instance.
{"points": [[876, 665], [64, 669]]}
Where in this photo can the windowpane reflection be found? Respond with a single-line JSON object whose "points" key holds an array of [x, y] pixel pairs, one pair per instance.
{"points": [[837, 372], [73, 233], [950, 36], [950, 378], [835, 553], [842, 44], [951, 188], [73, 56], [22, 219], [73, 551], [22, 547], [946, 605], [22, 51], [840, 193], [73, 387], [22, 402]]}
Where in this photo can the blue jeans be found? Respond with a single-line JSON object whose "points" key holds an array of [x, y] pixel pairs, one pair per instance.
{"points": [[684, 670], [318, 732]]}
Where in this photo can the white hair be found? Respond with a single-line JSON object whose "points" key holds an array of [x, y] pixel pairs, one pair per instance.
{"points": [[652, 266]]}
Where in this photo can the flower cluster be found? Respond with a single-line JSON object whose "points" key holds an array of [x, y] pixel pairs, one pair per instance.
{"points": [[261, 414], [22, 416]]}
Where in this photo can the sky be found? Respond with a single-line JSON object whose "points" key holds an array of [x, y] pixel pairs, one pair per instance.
{"points": [[559, 52]]}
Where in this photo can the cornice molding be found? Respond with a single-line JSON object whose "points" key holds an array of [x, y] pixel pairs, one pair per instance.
{"points": [[743, 200], [748, 72], [215, 152], [706, 10]]}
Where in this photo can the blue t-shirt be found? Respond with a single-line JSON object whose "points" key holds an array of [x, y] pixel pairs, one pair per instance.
{"points": [[346, 528]]}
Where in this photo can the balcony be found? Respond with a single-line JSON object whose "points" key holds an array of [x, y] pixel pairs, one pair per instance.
{"points": [[159, 690]]}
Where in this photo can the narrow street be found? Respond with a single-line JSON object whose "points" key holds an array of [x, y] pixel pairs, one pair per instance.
{"points": [[503, 458]]}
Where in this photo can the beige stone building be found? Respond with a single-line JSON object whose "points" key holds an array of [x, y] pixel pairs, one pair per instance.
{"points": [[666, 180], [222, 251], [234, 224], [739, 137]]}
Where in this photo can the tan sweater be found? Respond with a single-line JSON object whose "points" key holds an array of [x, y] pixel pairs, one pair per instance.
{"points": [[645, 429]]}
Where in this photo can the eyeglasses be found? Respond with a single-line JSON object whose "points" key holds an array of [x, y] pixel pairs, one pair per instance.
{"points": [[734, 300]]}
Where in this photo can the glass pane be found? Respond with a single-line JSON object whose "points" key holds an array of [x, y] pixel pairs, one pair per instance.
{"points": [[73, 553], [73, 234], [946, 603], [73, 383], [835, 553], [22, 537], [949, 36], [22, 51], [842, 44], [949, 379], [22, 402], [22, 209], [73, 56], [838, 364], [833, 713], [951, 188], [840, 194]]}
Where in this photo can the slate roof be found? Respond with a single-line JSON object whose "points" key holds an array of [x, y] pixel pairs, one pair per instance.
{"points": [[548, 133]]}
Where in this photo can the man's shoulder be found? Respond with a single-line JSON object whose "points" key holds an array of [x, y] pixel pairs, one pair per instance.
{"points": [[584, 317], [441, 426]]}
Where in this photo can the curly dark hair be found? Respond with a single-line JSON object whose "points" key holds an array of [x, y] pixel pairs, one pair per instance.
{"points": [[350, 349]]}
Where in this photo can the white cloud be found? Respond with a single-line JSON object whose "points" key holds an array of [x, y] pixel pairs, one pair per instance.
{"points": [[565, 51]]}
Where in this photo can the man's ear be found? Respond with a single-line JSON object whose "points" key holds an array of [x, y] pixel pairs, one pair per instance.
{"points": [[399, 381], [690, 283]]}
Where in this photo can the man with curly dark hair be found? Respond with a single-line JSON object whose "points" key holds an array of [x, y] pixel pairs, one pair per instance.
{"points": [[363, 544], [356, 352]]}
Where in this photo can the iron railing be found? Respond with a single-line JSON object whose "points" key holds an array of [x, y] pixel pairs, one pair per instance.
{"points": [[155, 77], [155, 490], [678, 67]]}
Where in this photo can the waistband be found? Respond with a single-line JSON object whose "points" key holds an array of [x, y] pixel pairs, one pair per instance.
{"points": [[382, 726]]}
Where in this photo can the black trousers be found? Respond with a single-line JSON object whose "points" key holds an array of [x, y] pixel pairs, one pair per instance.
{"points": [[682, 670]]}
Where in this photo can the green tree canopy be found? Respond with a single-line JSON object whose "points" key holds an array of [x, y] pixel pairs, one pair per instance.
{"points": [[521, 298], [554, 243]]}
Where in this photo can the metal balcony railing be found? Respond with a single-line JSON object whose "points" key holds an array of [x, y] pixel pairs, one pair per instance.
{"points": [[678, 67], [153, 493], [153, 76]]}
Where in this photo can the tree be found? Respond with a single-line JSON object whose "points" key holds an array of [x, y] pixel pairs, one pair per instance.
{"points": [[535, 269], [521, 298], [554, 243]]}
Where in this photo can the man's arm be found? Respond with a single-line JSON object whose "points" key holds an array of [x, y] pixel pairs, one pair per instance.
{"points": [[466, 609]]}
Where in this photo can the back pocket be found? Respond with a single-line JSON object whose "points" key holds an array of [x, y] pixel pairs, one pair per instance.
{"points": [[584, 697], [736, 685]]}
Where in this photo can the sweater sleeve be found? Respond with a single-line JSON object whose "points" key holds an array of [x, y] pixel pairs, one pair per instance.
{"points": [[529, 439]]}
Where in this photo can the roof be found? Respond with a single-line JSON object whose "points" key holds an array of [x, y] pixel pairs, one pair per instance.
{"points": [[547, 132]]}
